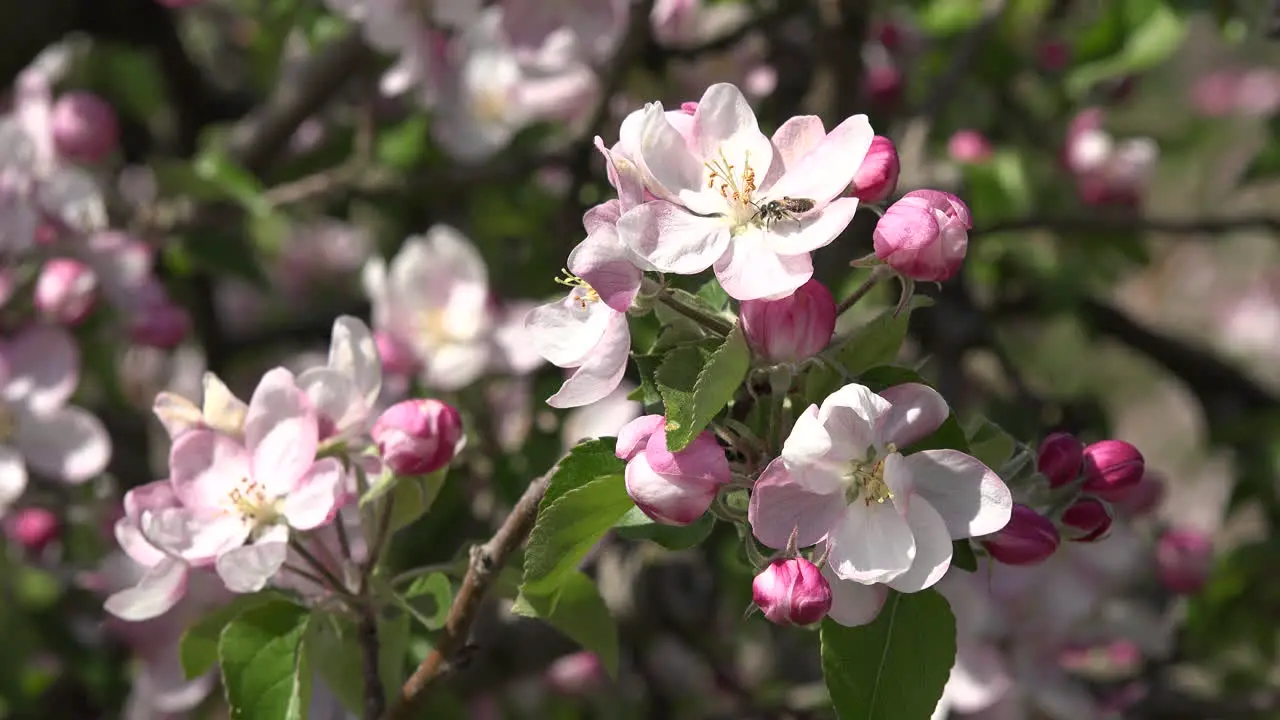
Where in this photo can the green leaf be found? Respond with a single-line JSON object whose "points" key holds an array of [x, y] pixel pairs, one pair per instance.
{"points": [[1150, 41], [198, 649], [948, 436], [429, 599], [947, 17], [877, 342], [694, 391], [895, 667], [713, 295], [577, 610], [567, 528], [635, 525], [221, 253], [585, 462], [215, 166], [333, 649], [989, 442], [647, 394], [411, 496], [962, 556], [265, 668], [403, 146]]}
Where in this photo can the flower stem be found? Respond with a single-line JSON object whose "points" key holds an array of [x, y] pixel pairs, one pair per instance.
{"points": [[779, 386], [711, 321], [331, 580], [878, 273]]}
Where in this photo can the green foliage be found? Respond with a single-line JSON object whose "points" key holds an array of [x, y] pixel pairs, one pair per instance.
{"points": [[586, 461], [577, 610], [696, 386], [635, 525], [989, 442], [568, 527], [1153, 32], [895, 667], [198, 649], [428, 599], [411, 497], [332, 647], [266, 670], [877, 342]]}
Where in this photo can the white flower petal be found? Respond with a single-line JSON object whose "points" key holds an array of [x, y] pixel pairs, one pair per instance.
{"points": [[933, 549], [155, 594], [247, 569], [850, 415], [871, 543], [353, 352], [852, 603], [969, 496]]}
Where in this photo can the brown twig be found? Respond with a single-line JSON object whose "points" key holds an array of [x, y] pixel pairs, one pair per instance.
{"points": [[375, 695], [486, 561]]}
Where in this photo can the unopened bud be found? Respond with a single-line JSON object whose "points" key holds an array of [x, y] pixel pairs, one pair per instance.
{"points": [[1111, 468], [576, 674], [671, 488], [1087, 520], [969, 146], [396, 355], [1184, 560], [924, 235], [161, 324], [793, 328], [85, 128], [65, 291], [792, 591], [877, 177], [1059, 458], [1029, 538], [33, 528], [884, 85], [417, 437]]}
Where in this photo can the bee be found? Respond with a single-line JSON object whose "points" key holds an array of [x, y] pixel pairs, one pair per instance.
{"points": [[784, 208]]}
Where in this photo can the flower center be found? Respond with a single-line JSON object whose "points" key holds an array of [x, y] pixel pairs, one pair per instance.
{"points": [[433, 327], [733, 186], [250, 501], [583, 294], [865, 480], [490, 105], [8, 422]]}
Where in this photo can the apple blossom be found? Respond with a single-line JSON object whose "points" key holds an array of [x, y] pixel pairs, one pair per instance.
{"points": [[417, 437], [345, 390], [969, 146], [84, 127], [1184, 560], [1059, 458], [163, 581], [39, 371], [885, 518], [792, 328], [434, 298], [1029, 538], [672, 488], [1087, 520], [877, 177], [792, 591], [233, 491], [221, 410], [1111, 468], [587, 331], [65, 290], [924, 236], [732, 199]]}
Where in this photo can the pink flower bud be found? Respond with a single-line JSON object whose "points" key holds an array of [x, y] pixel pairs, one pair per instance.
{"points": [[1059, 458], [672, 488], [576, 674], [85, 128], [877, 177], [1087, 520], [33, 528], [792, 591], [924, 236], [1112, 467], [1143, 497], [794, 328], [160, 325], [1028, 539], [416, 437], [1184, 560], [884, 86], [396, 355], [65, 290], [1054, 55], [969, 146]]}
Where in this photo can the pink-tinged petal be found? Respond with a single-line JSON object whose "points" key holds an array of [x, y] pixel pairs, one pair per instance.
{"points": [[317, 497], [850, 415], [633, 436], [933, 549], [605, 263], [898, 479], [155, 594], [205, 466], [281, 431], [780, 505], [155, 495], [606, 213], [69, 444], [853, 604], [916, 412], [871, 543], [601, 372], [724, 122], [44, 368], [826, 170], [702, 459], [197, 536], [455, 366], [339, 404], [353, 352], [796, 138], [13, 476], [625, 177], [567, 332], [666, 156], [970, 497], [176, 413], [749, 270], [808, 442], [222, 410], [131, 540], [676, 503], [978, 679], [814, 230], [673, 239], [247, 569]]}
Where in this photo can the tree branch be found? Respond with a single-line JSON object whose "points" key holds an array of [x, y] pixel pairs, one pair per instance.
{"points": [[486, 561]]}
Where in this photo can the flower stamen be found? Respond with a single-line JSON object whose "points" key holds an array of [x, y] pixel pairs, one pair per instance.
{"points": [[588, 294]]}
